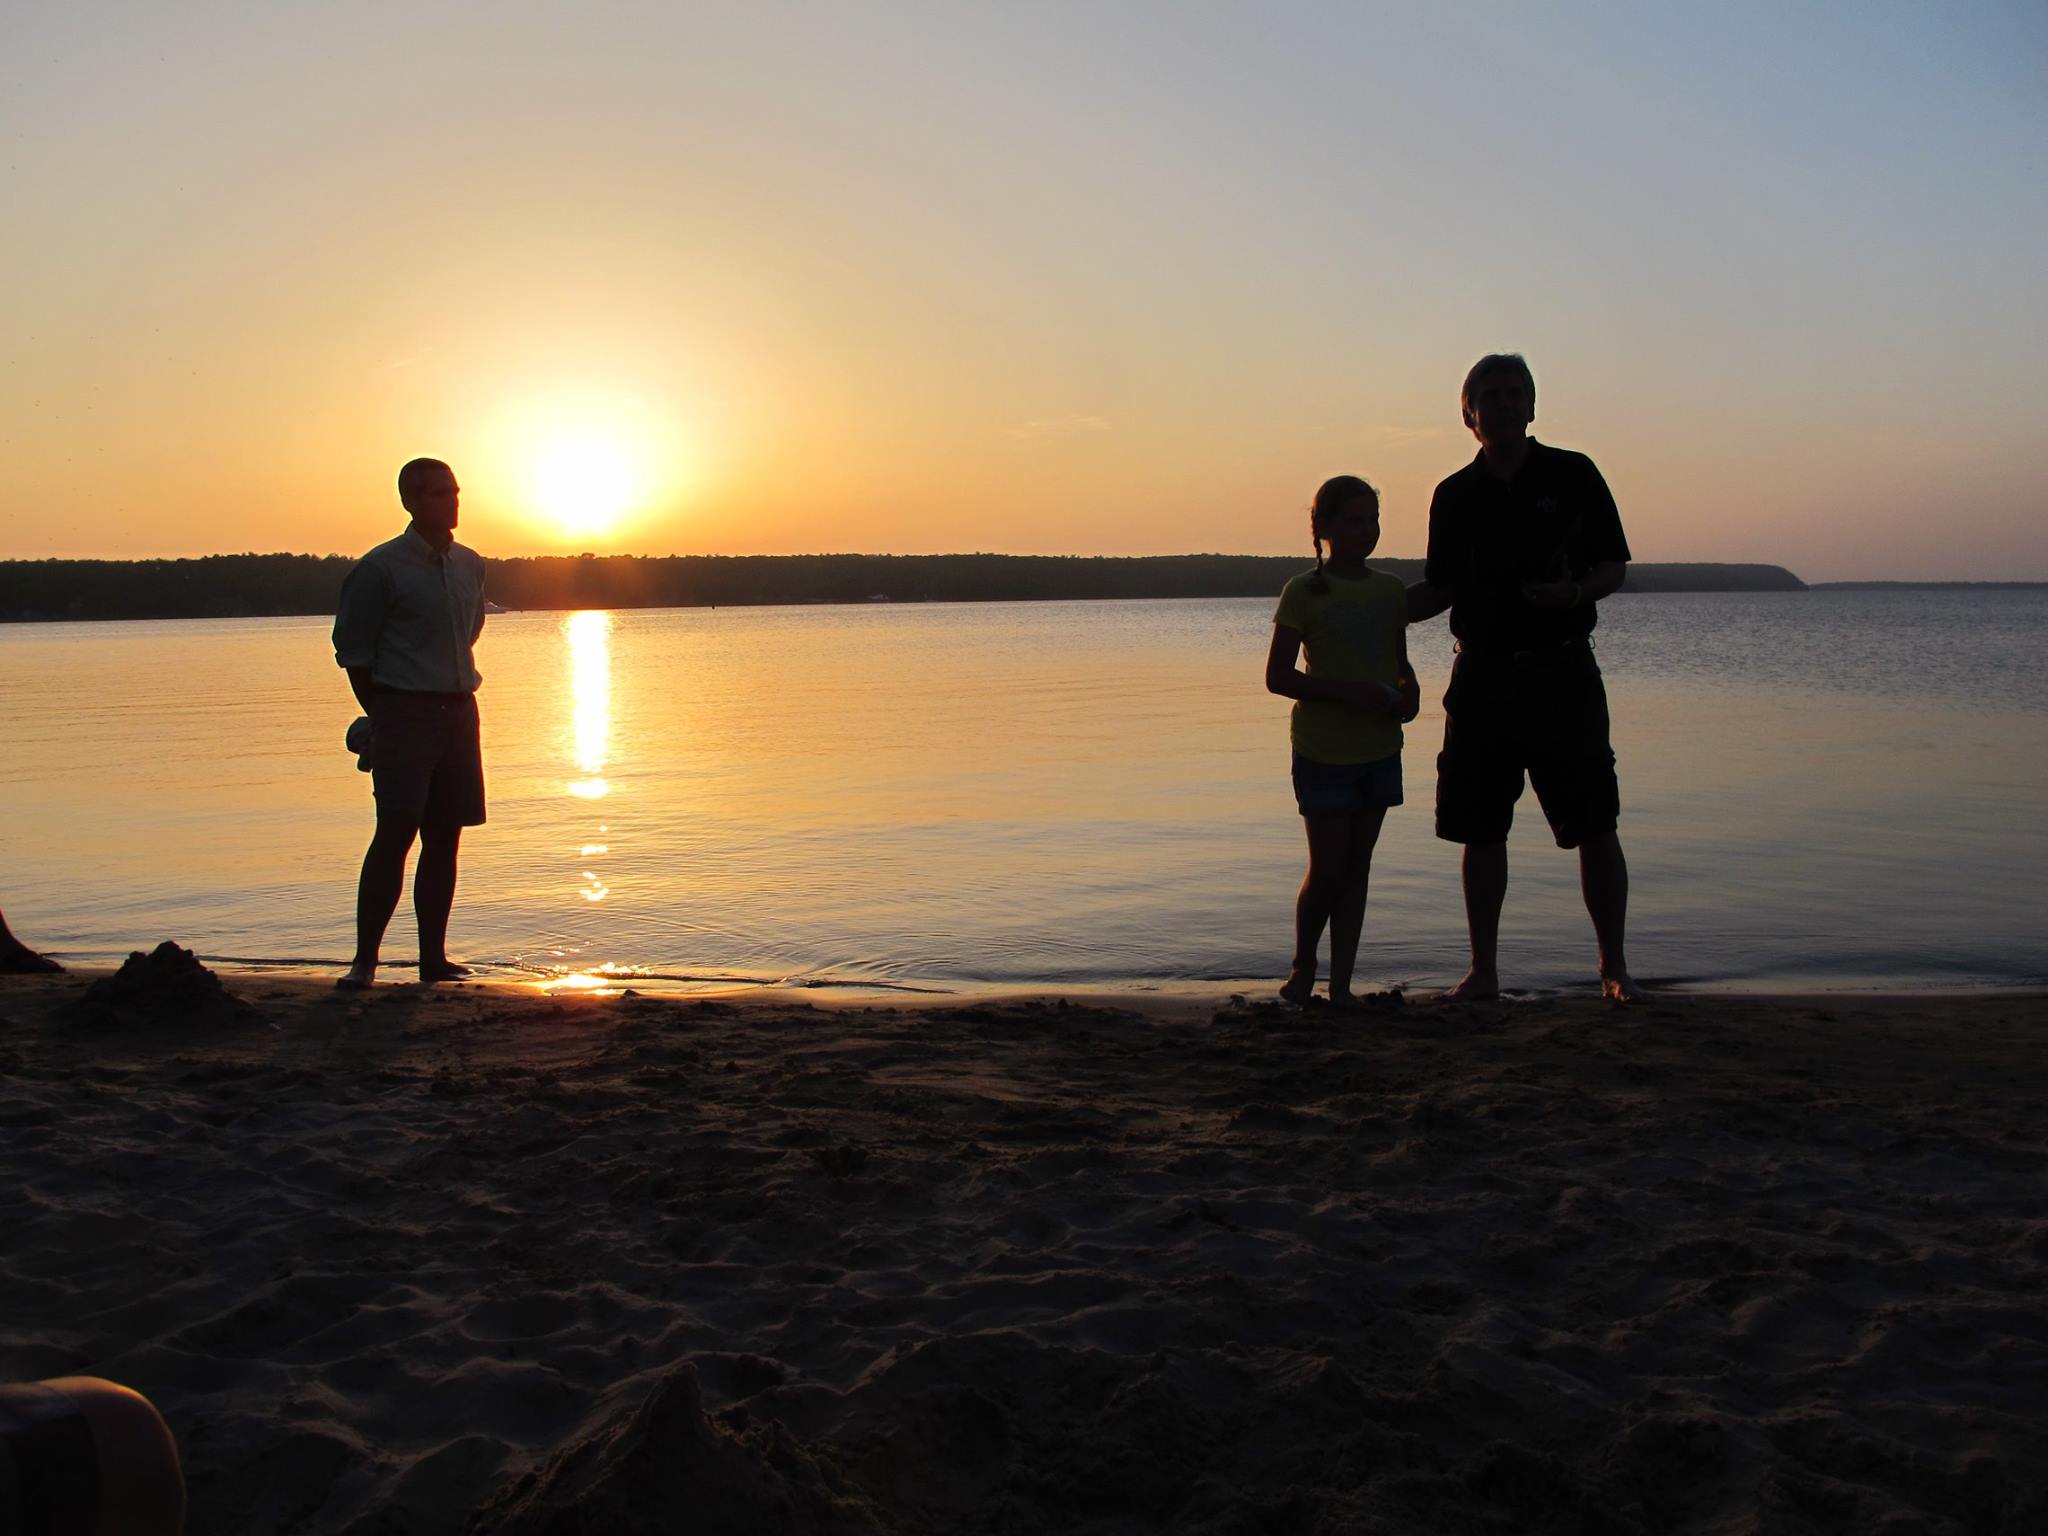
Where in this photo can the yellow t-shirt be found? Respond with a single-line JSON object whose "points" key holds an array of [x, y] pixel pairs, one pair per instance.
{"points": [[1352, 634]]}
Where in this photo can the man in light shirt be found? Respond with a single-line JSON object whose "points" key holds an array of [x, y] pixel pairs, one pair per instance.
{"points": [[409, 616]]}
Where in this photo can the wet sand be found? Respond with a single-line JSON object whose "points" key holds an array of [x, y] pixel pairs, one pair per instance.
{"points": [[470, 1259]]}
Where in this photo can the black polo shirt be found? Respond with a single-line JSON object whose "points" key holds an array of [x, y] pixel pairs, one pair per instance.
{"points": [[1554, 521]]}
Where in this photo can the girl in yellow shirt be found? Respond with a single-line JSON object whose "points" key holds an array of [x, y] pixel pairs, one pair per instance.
{"points": [[1350, 703]]}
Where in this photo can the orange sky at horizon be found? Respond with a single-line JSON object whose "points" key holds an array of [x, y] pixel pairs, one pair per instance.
{"points": [[921, 282]]}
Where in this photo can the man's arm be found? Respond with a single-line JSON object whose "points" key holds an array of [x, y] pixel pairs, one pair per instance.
{"points": [[1426, 600], [1599, 541], [1603, 580], [358, 620], [1290, 682], [364, 684], [1443, 563]]}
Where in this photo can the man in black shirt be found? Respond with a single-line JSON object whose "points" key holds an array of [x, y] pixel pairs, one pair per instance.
{"points": [[1523, 541]]}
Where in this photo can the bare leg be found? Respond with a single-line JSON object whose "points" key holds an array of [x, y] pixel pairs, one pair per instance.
{"points": [[1329, 840], [17, 959], [433, 897], [1603, 877], [1347, 917], [377, 891], [1486, 887]]}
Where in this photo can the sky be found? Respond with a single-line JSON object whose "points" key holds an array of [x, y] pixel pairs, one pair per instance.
{"points": [[667, 278]]}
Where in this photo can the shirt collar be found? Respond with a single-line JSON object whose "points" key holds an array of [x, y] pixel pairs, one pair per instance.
{"points": [[1535, 448], [420, 544]]}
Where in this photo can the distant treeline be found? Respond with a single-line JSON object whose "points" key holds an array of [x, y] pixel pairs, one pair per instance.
{"points": [[239, 586]]}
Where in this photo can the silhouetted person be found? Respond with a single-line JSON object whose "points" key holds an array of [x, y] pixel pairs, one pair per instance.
{"points": [[1523, 541], [1346, 725], [17, 959], [84, 1457], [410, 612]]}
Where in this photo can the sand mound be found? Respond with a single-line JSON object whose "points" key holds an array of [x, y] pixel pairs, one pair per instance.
{"points": [[167, 985], [664, 1465]]}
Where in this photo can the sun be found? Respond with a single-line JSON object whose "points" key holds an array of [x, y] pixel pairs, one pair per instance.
{"points": [[585, 485]]}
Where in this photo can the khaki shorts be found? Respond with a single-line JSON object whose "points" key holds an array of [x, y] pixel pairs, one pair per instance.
{"points": [[427, 762]]}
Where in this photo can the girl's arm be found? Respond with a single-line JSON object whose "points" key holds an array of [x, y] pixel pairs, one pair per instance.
{"points": [[1407, 688], [1289, 681]]}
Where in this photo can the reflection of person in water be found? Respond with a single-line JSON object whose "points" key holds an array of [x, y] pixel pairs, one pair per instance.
{"points": [[17, 959], [1523, 541], [1346, 724], [410, 613], [80, 1457]]}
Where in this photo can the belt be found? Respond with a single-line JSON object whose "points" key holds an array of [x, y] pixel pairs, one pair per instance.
{"points": [[422, 693], [1559, 650]]}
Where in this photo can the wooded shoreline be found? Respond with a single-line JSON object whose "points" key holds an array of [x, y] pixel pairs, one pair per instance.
{"points": [[251, 585]]}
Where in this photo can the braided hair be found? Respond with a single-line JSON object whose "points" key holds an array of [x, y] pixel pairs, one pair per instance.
{"points": [[1332, 496]]}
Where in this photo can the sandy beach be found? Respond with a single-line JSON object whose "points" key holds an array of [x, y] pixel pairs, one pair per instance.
{"points": [[473, 1259]]}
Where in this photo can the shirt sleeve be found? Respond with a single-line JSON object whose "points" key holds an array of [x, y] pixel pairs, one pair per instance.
{"points": [[1290, 612], [480, 604], [1604, 538], [1443, 562], [359, 616]]}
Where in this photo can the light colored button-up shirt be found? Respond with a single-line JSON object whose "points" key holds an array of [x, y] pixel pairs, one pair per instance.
{"points": [[412, 614]]}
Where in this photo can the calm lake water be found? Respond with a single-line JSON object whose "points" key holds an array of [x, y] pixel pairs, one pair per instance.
{"points": [[1823, 789]]}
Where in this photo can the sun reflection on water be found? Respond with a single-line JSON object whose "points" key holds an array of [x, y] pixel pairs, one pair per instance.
{"points": [[601, 982], [590, 702], [590, 692]]}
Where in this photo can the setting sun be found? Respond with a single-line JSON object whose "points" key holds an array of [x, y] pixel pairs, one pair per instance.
{"points": [[585, 485]]}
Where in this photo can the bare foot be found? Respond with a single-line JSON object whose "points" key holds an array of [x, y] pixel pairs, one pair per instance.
{"points": [[20, 960], [442, 970], [1297, 988], [358, 978], [1477, 987], [1621, 988]]}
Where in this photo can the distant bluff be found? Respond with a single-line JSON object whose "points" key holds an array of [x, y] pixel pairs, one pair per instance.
{"points": [[1711, 578]]}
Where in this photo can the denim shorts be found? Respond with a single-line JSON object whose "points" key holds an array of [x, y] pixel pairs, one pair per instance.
{"points": [[1322, 789]]}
